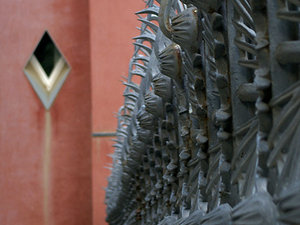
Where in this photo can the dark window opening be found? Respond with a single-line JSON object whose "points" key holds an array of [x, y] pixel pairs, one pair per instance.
{"points": [[47, 54]]}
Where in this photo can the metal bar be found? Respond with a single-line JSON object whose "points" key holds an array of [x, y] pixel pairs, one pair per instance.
{"points": [[103, 134]]}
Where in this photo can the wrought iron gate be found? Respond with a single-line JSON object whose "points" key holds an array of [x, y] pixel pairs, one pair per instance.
{"points": [[211, 134]]}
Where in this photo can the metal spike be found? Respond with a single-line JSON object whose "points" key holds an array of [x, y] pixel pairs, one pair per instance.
{"points": [[245, 46], [132, 86], [131, 95], [150, 24], [241, 27], [141, 57], [138, 72], [145, 30], [243, 12], [249, 63], [293, 16], [146, 37], [140, 65], [151, 10], [148, 49]]}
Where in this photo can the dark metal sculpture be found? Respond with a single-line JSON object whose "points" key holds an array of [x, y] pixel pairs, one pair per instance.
{"points": [[211, 135]]}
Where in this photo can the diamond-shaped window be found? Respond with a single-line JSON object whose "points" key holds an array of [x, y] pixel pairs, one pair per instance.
{"points": [[47, 70]]}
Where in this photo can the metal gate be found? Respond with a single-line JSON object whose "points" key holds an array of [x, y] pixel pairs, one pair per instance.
{"points": [[211, 134]]}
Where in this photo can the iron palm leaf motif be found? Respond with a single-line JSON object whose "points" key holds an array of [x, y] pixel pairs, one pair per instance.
{"points": [[211, 133]]}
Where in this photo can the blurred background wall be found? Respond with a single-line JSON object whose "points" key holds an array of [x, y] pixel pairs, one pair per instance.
{"points": [[52, 169], [112, 27]]}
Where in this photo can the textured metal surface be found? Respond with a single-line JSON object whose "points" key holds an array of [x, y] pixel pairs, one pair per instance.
{"points": [[211, 135]]}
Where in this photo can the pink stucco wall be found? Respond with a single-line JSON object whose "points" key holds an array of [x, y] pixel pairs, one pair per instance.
{"points": [[52, 172], [45, 157], [113, 25]]}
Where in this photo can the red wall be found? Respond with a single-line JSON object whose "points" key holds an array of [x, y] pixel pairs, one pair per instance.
{"points": [[113, 25], [45, 167], [48, 158]]}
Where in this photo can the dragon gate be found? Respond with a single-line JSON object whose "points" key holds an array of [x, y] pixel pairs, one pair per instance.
{"points": [[211, 133]]}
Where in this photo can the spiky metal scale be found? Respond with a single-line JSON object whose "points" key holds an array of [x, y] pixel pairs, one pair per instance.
{"points": [[174, 160]]}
